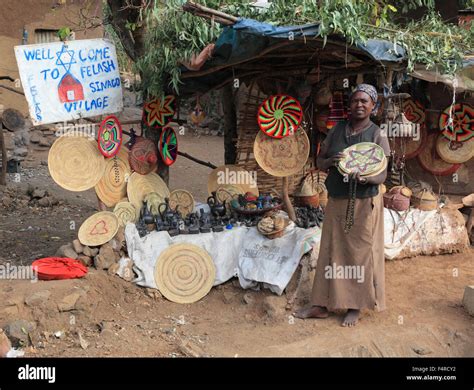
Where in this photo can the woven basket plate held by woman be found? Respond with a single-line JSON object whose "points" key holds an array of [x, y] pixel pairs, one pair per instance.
{"points": [[366, 157]]}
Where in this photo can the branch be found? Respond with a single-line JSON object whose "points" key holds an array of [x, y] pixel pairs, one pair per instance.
{"points": [[209, 13], [188, 156]]}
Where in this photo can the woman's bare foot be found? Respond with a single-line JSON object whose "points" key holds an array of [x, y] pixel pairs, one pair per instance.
{"points": [[351, 318], [312, 312]]}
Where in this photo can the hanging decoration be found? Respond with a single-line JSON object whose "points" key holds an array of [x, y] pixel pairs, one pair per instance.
{"points": [[143, 157], [461, 128], [197, 115], [337, 113], [110, 136], [279, 116], [156, 114], [168, 146]]}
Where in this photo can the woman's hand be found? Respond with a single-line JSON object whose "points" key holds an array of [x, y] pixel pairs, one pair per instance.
{"points": [[334, 160], [356, 176]]}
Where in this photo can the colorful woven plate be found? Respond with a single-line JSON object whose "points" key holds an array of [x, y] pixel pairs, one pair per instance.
{"points": [[414, 111], [431, 162], [455, 152], [183, 200], [157, 115], [168, 146], [279, 116], [365, 157], [462, 127], [98, 229], [110, 136]]}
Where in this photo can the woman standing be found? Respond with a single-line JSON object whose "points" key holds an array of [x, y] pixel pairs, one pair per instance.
{"points": [[360, 251]]}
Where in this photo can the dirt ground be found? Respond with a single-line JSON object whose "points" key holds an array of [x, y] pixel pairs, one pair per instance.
{"points": [[103, 315]]}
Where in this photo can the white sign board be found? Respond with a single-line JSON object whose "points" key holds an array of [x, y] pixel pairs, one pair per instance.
{"points": [[69, 81]]}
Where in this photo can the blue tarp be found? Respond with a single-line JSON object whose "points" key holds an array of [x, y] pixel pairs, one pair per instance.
{"points": [[247, 38]]}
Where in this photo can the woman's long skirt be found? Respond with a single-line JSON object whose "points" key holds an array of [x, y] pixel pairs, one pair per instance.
{"points": [[350, 269]]}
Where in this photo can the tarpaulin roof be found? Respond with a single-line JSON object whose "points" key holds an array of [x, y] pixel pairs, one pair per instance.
{"points": [[247, 38]]}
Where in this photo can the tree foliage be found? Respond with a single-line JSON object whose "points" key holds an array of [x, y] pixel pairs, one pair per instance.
{"points": [[173, 36]]}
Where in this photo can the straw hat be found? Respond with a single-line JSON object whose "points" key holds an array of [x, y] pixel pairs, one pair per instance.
{"points": [[113, 185], [98, 229], [125, 212], [141, 185], [455, 152], [282, 157], [75, 163], [183, 200], [143, 156], [233, 175], [184, 273]]}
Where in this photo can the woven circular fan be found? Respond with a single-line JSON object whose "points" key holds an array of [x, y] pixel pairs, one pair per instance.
{"points": [[98, 229], [168, 146], [454, 152], [143, 156], [113, 185], [110, 136], [431, 162], [227, 192], [75, 163], [282, 157], [125, 212], [462, 127], [141, 185], [414, 111], [365, 157], [279, 116], [231, 175], [184, 273], [183, 200], [408, 146], [157, 115]]}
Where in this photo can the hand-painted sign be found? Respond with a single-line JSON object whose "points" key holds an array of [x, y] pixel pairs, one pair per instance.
{"points": [[70, 81]]}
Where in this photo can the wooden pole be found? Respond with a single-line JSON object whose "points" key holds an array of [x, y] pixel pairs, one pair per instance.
{"points": [[3, 177], [286, 200]]}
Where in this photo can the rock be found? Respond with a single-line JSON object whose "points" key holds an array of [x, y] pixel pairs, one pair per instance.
{"points": [[114, 244], [120, 237], [113, 269], [248, 299], [188, 348], [7, 201], [108, 250], [18, 331], [21, 152], [78, 247], [43, 141], [85, 260], [38, 298], [35, 138], [67, 251], [68, 302], [91, 252], [5, 344], [227, 297], [468, 299], [101, 262], [37, 193], [274, 306], [421, 351], [82, 341], [44, 202], [153, 293], [44, 163]]}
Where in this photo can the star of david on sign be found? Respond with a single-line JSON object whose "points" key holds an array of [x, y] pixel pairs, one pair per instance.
{"points": [[65, 58], [362, 159]]}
